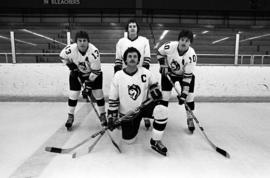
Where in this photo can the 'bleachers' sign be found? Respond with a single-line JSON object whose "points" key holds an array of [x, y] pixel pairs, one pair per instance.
{"points": [[61, 2]]}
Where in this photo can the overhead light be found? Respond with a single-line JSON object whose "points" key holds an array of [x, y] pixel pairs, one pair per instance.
{"points": [[164, 33], [204, 32], [255, 37], [217, 41], [155, 47], [21, 41]]}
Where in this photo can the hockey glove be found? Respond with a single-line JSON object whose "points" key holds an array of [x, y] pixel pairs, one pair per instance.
{"points": [[117, 68], [74, 71], [155, 92], [87, 91], [113, 120], [146, 65], [182, 98]]}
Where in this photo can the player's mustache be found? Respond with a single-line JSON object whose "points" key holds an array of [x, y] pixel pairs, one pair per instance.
{"points": [[132, 61]]}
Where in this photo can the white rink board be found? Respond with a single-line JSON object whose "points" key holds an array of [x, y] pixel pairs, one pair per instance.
{"points": [[51, 80]]}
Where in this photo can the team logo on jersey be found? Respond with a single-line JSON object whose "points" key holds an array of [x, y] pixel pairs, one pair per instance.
{"points": [[84, 67], [134, 91], [175, 65]]}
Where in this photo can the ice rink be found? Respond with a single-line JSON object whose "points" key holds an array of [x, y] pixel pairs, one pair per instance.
{"points": [[242, 129]]}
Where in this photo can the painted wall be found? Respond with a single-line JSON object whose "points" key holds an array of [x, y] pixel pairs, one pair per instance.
{"points": [[51, 80]]}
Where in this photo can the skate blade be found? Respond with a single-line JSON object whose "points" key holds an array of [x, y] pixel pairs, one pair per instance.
{"points": [[160, 152], [69, 128]]}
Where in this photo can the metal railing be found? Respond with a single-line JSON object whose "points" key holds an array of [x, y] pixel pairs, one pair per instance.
{"points": [[251, 58]]}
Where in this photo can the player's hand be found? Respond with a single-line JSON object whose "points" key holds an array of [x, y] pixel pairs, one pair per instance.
{"points": [[146, 65], [113, 122], [181, 98], [74, 71], [155, 92], [87, 89]]}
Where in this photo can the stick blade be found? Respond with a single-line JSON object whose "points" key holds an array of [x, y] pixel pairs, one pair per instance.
{"points": [[53, 149], [223, 152]]}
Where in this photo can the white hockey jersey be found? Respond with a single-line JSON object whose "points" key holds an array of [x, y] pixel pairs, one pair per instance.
{"points": [[178, 64], [141, 44], [90, 62], [130, 90]]}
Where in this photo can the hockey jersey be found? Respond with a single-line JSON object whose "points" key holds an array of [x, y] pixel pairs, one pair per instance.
{"points": [[129, 91], [177, 63], [90, 62], [140, 43]]}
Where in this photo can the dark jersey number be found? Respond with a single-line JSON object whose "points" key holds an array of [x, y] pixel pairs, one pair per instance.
{"points": [[192, 59], [167, 45], [95, 54], [67, 50]]}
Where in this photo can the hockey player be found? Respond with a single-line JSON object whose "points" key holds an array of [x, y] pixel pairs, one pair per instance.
{"points": [[129, 89], [140, 43], [83, 60], [178, 59]]}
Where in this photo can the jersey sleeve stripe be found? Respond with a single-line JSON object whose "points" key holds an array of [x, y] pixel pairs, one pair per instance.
{"points": [[147, 60], [118, 62]]}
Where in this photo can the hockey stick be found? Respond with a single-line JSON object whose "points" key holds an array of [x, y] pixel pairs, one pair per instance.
{"points": [[219, 150], [68, 150], [90, 148], [114, 143], [93, 106], [128, 116]]}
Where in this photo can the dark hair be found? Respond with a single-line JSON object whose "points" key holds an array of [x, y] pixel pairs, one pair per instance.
{"points": [[131, 50], [82, 34], [132, 21], [186, 33]]}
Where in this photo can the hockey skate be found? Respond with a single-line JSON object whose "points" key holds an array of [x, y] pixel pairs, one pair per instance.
{"points": [[69, 122], [147, 123], [158, 146], [190, 125], [103, 119]]}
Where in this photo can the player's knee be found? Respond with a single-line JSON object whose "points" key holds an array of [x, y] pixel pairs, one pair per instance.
{"points": [[160, 112], [74, 95], [98, 94], [166, 95], [190, 97]]}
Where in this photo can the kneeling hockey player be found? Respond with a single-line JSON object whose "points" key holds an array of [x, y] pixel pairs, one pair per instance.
{"points": [[129, 89]]}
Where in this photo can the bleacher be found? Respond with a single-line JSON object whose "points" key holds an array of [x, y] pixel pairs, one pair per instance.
{"points": [[105, 37]]}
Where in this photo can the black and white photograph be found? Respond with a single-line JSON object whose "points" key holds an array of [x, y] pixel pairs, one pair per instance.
{"points": [[134, 89]]}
